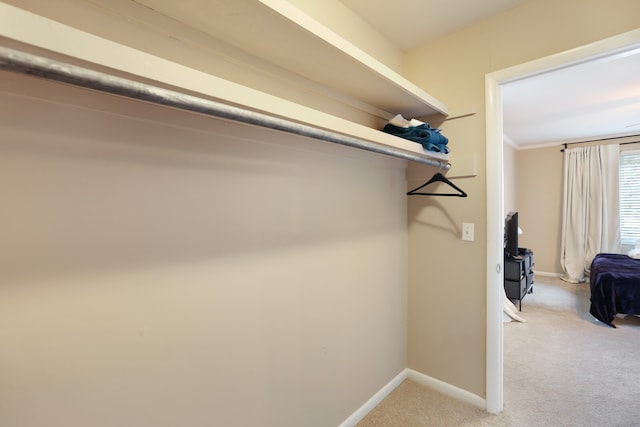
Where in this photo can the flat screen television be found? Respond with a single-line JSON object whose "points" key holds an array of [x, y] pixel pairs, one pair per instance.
{"points": [[511, 234]]}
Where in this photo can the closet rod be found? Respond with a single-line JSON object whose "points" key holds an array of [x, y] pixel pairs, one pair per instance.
{"points": [[25, 63]]}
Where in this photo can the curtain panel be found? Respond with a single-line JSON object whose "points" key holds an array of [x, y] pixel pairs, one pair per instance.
{"points": [[591, 209]]}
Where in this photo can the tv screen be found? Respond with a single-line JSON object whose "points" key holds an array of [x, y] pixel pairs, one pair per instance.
{"points": [[511, 234]]}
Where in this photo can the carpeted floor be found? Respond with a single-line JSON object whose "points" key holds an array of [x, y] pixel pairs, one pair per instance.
{"points": [[561, 368]]}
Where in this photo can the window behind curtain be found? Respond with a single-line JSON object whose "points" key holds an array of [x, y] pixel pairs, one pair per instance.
{"points": [[630, 197]]}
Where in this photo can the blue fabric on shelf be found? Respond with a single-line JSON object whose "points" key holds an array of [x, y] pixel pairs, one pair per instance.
{"points": [[431, 139]]}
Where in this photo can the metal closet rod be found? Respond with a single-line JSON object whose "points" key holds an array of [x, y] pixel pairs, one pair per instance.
{"points": [[25, 63]]}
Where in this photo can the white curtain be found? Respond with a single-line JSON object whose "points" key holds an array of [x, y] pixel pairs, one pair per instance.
{"points": [[591, 209]]}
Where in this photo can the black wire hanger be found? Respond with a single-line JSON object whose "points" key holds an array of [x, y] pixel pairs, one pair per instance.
{"points": [[438, 177]]}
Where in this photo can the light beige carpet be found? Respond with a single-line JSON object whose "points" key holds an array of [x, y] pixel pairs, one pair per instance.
{"points": [[561, 368]]}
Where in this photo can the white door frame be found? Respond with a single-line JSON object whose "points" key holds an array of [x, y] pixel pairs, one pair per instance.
{"points": [[617, 45]]}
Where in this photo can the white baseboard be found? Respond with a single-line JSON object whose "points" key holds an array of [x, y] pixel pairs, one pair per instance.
{"points": [[544, 273], [362, 412], [448, 389], [439, 386]]}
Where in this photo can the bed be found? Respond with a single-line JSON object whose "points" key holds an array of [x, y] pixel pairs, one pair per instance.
{"points": [[615, 286]]}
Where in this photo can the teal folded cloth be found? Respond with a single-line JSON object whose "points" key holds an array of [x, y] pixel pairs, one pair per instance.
{"points": [[431, 139]]}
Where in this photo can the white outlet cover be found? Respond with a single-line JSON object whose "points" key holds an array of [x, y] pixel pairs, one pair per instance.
{"points": [[467, 231]]}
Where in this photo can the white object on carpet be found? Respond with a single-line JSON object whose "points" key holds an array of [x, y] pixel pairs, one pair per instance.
{"points": [[510, 310]]}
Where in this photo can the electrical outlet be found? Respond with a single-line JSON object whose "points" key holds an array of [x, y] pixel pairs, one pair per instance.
{"points": [[467, 231]]}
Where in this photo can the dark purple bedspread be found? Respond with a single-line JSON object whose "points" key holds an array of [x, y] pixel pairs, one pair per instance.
{"points": [[615, 286]]}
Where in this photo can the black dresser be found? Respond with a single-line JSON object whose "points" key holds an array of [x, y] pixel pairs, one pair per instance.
{"points": [[518, 275]]}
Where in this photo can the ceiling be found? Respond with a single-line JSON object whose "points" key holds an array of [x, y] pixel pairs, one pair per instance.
{"points": [[593, 100], [410, 23]]}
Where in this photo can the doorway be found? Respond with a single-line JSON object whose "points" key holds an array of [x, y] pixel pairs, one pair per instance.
{"points": [[494, 182]]}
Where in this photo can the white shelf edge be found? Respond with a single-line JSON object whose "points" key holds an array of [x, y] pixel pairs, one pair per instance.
{"points": [[29, 29], [304, 21]]}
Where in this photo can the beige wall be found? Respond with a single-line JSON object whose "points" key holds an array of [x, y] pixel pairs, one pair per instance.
{"points": [[447, 276], [539, 203], [164, 269], [510, 177], [533, 188]]}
